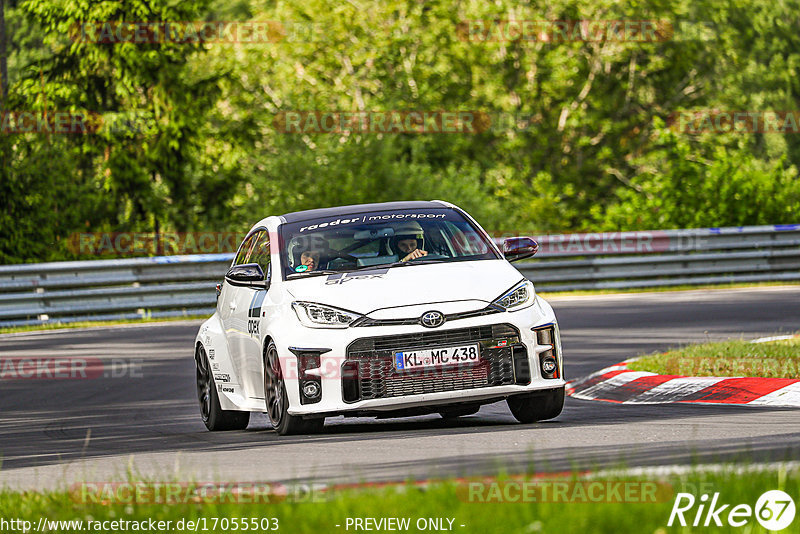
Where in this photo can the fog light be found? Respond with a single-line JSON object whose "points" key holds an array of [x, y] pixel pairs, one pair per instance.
{"points": [[311, 389], [547, 339]]}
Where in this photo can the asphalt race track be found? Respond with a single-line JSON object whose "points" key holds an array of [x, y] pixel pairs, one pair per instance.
{"points": [[55, 432]]}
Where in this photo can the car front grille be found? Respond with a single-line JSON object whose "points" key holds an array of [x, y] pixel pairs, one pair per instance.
{"points": [[369, 371]]}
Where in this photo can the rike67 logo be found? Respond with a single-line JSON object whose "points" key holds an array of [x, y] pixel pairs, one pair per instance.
{"points": [[774, 510]]}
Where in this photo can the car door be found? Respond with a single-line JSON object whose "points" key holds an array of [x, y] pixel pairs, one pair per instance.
{"points": [[251, 345], [233, 305]]}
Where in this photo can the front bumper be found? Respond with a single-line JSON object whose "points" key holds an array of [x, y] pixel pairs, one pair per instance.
{"points": [[359, 359]]}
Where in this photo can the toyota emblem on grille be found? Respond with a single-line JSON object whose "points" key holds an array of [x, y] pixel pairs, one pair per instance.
{"points": [[432, 319]]}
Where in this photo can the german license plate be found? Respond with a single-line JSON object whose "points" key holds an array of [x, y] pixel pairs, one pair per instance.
{"points": [[408, 360]]}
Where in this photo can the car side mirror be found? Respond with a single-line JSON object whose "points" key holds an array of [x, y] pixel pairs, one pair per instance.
{"points": [[519, 248], [248, 275]]}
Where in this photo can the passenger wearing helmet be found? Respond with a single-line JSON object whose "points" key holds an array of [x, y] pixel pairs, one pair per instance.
{"points": [[409, 241], [310, 258], [315, 251]]}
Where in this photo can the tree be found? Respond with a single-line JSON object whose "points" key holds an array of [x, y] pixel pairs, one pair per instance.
{"points": [[153, 103]]}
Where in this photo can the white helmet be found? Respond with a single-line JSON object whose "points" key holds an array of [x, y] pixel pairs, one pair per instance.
{"points": [[407, 230]]}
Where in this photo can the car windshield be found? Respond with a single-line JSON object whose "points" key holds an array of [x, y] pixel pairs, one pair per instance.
{"points": [[380, 239]]}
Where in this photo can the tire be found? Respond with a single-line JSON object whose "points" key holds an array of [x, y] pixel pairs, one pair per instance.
{"points": [[459, 411], [538, 406], [214, 417], [277, 402]]}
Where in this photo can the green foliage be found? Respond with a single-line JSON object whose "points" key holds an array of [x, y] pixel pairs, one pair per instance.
{"points": [[139, 176], [595, 154], [680, 188]]}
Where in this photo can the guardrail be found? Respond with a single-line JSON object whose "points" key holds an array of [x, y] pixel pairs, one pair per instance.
{"points": [[626, 260], [184, 285]]}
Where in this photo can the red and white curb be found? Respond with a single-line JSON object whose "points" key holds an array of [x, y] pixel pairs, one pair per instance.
{"points": [[621, 385]]}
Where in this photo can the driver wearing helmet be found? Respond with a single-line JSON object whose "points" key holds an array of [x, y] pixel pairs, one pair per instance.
{"points": [[409, 241]]}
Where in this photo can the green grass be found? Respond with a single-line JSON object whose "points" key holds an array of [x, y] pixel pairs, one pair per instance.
{"points": [[88, 324], [775, 359], [440, 500]]}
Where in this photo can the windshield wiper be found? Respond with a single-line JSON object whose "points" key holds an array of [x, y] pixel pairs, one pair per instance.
{"points": [[424, 261], [368, 267], [311, 273], [403, 264]]}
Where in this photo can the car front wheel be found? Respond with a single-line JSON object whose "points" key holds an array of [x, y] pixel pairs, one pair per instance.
{"points": [[537, 406], [278, 402], [214, 417]]}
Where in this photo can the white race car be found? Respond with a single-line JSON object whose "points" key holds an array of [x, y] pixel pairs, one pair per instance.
{"points": [[393, 309]]}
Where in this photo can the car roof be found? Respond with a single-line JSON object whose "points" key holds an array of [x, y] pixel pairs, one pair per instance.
{"points": [[298, 216]]}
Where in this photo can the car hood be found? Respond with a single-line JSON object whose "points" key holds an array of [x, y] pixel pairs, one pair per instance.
{"points": [[468, 285]]}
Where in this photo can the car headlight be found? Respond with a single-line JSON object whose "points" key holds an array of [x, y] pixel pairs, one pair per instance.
{"points": [[518, 297], [319, 316]]}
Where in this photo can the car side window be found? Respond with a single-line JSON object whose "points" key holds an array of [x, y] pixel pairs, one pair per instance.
{"points": [[260, 252], [245, 250]]}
